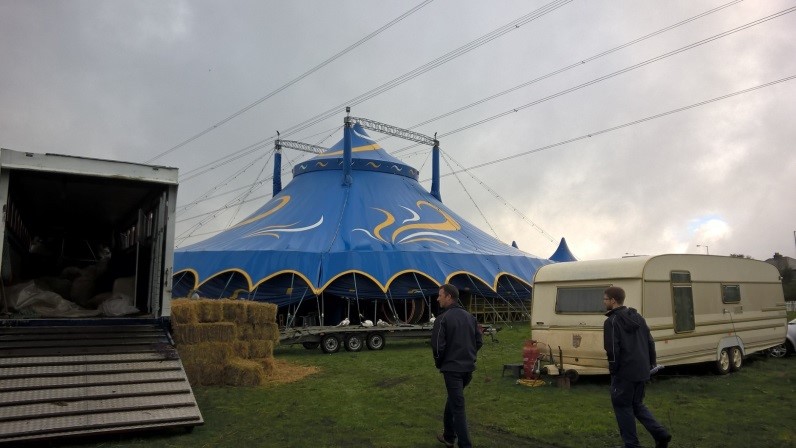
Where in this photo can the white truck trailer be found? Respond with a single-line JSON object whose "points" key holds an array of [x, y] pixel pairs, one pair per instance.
{"points": [[700, 308], [77, 235]]}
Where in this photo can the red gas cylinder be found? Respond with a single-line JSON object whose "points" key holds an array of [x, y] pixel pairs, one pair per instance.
{"points": [[530, 353]]}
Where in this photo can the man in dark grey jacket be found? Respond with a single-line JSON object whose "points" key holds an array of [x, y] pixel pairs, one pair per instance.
{"points": [[455, 341], [631, 356]]}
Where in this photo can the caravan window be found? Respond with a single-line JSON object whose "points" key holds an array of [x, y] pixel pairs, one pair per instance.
{"points": [[585, 300], [681, 277], [730, 293]]}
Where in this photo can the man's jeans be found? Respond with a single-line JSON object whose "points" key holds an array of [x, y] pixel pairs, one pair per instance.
{"points": [[627, 398], [454, 419]]}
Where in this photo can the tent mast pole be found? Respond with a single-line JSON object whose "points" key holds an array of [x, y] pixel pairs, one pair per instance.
{"points": [[435, 170], [289, 321], [356, 295], [423, 294], [227, 285], [277, 183], [318, 304], [347, 180]]}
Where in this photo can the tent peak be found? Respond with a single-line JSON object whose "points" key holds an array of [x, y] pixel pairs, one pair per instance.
{"points": [[563, 254]]}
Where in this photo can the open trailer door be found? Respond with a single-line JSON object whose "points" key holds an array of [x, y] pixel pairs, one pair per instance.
{"points": [[58, 381]]}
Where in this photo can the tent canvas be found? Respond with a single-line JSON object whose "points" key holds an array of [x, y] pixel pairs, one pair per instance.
{"points": [[384, 227]]}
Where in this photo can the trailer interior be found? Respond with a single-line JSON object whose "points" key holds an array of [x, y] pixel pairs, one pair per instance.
{"points": [[79, 237]]}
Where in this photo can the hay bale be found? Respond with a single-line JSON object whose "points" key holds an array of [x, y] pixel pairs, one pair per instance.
{"points": [[268, 332], [209, 310], [261, 313], [207, 332], [261, 349], [267, 363], [263, 332], [241, 349], [205, 353], [183, 311], [205, 374], [246, 332], [244, 372], [236, 311]]}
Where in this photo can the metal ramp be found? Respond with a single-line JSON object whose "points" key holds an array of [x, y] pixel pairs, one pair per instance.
{"points": [[60, 381]]}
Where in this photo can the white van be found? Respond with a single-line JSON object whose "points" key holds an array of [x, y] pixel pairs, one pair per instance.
{"points": [[700, 308]]}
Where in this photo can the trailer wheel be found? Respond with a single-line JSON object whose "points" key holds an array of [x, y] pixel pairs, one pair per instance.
{"points": [[375, 341], [736, 359], [310, 345], [722, 366], [353, 343], [330, 344]]}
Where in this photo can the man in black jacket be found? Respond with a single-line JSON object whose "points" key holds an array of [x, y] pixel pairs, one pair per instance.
{"points": [[455, 340], [631, 355]]}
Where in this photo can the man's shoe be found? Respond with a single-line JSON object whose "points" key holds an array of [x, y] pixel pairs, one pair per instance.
{"points": [[664, 442], [441, 439]]}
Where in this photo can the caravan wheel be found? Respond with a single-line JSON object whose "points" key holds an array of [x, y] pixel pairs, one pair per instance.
{"points": [[722, 366], [736, 358]]}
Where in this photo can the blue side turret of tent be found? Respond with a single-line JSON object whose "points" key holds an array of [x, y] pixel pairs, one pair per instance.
{"points": [[563, 254]]}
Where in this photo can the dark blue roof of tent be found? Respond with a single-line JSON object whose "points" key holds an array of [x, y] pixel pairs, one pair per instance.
{"points": [[563, 253], [383, 225]]}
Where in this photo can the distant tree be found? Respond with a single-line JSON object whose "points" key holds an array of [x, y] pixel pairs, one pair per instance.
{"points": [[741, 256], [787, 274]]}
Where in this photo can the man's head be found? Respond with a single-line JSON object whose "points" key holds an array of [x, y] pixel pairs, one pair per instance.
{"points": [[448, 295], [613, 297]]}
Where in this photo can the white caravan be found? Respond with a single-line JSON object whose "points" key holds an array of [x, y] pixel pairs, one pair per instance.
{"points": [[700, 308]]}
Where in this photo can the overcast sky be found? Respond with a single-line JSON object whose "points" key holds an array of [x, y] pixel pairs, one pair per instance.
{"points": [[131, 80]]}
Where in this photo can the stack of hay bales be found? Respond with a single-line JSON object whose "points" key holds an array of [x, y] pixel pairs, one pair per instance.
{"points": [[225, 342]]}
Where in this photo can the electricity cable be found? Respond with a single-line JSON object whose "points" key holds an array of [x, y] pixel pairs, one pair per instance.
{"points": [[643, 63], [180, 238], [625, 45], [470, 196], [294, 80], [501, 199], [628, 124], [611, 75], [515, 24], [576, 64]]}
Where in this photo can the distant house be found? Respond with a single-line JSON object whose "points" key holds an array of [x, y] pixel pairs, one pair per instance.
{"points": [[787, 269]]}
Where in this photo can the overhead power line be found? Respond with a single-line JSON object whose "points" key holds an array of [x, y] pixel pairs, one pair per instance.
{"points": [[625, 125], [554, 145], [515, 24], [481, 212], [611, 75], [511, 26], [294, 80], [579, 63], [502, 199], [247, 150]]}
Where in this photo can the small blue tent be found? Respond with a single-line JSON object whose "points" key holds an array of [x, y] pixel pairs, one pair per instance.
{"points": [[381, 235], [563, 254]]}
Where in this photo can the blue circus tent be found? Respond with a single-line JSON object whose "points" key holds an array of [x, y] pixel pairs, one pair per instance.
{"points": [[371, 231], [563, 254]]}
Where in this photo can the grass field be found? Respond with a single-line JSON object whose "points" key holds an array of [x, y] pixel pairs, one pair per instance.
{"points": [[394, 398]]}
